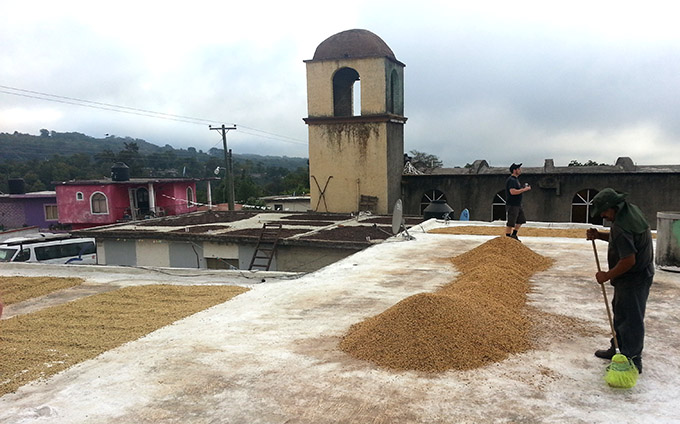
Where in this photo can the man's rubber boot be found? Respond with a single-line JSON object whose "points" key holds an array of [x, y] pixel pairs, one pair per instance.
{"points": [[605, 353], [637, 361]]}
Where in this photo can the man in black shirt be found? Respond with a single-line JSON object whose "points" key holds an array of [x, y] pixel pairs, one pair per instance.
{"points": [[513, 201]]}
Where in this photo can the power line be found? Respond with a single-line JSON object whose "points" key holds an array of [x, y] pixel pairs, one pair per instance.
{"points": [[292, 140], [101, 106], [136, 111]]}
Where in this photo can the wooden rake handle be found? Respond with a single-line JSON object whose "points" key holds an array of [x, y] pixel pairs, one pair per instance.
{"points": [[606, 302]]}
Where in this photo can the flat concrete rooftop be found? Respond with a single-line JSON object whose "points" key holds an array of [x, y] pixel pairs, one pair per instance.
{"points": [[270, 355], [297, 228]]}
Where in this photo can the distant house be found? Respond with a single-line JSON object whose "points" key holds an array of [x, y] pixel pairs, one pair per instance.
{"points": [[20, 209], [287, 203], [90, 203]]}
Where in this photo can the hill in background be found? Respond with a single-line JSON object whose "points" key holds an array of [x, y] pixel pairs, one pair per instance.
{"points": [[41, 160], [19, 147]]}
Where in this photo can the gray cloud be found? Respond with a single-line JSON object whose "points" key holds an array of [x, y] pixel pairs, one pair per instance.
{"points": [[506, 94], [501, 84]]}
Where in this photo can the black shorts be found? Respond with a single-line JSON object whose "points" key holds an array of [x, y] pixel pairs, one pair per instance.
{"points": [[515, 215]]}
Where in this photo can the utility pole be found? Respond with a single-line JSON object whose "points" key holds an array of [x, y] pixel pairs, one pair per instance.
{"points": [[228, 175]]}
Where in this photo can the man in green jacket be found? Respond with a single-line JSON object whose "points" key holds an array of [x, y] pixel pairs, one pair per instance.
{"points": [[630, 257]]}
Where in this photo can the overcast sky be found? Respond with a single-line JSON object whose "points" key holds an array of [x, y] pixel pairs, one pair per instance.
{"points": [[501, 81]]}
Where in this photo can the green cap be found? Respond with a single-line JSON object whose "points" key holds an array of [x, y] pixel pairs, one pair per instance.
{"points": [[605, 199]]}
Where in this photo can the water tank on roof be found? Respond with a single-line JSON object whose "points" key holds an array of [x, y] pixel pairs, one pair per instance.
{"points": [[120, 172], [668, 240], [16, 186]]}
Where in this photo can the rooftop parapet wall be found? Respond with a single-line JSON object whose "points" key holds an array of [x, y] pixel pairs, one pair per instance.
{"points": [[554, 189], [622, 165]]}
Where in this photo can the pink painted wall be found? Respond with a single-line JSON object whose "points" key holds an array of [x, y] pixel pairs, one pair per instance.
{"points": [[170, 196], [77, 212]]}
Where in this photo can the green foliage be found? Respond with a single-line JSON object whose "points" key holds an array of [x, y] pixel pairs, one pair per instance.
{"points": [[296, 182], [245, 188], [52, 157], [424, 161], [23, 147], [32, 182], [589, 163]]}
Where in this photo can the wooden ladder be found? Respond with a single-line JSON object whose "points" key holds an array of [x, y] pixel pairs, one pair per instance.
{"points": [[266, 247]]}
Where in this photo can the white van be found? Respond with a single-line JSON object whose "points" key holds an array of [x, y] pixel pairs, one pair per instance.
{"points": [[49, 248]]}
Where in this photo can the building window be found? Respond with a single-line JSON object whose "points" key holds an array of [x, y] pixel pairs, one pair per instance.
{"points": [[190, 197], [23, 256], [79, 196], [581, 205], [395, 99], [99, 204], [51, 213], [498, 206], [429, 197], [343, 92]]}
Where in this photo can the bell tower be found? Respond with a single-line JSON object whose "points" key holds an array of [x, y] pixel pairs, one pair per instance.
{"points": [[355, 102]]}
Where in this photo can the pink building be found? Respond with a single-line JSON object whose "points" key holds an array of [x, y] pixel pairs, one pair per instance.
{"points": [[84, 204]]}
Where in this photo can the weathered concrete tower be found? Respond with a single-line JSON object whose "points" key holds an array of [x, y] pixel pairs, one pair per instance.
{"points": [[355, 158]]}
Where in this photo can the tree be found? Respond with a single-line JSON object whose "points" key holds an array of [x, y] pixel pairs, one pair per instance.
{"points": [[33, 182], [104, 161], [211, 165], [425, 162], [297, 182], [190, 167], [245, 188], [76, 156], [589, 163], [131, 157]]}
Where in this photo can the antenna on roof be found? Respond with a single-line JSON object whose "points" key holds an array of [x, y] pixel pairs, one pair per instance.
{"points": [[398, 222]]}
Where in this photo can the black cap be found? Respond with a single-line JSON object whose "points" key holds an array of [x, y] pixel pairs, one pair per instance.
{"points": [[515, 166]]}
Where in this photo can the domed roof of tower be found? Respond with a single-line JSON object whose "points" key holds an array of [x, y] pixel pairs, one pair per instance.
{"points": [[352, 44]]}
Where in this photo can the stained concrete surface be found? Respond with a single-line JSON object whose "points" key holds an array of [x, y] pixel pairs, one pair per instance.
{"points": [[101, 279], [270, 355]]}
